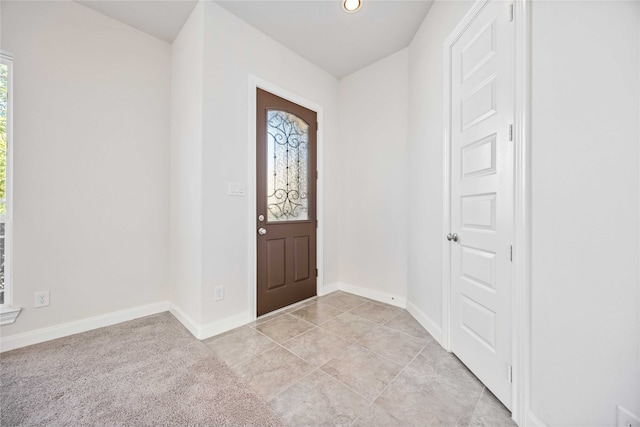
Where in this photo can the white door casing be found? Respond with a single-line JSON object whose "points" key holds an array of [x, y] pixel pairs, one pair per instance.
{"points": [[481, 196]]}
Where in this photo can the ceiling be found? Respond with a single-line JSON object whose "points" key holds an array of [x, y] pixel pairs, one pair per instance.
{"points": [[160, 18], [336, 41], [318, 30]]}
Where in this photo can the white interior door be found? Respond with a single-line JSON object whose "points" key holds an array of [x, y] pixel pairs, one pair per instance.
{"points": [[481, 196]]}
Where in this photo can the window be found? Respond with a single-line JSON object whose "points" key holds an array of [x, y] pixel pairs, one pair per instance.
{"points": [[6, 70]]}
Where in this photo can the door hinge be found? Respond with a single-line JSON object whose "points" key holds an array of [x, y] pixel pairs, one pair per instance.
{"points": [[317, 126], [510, 132], [511, 253], [511, 12], [510, 373], [316, 223], [316, 174], [316, 272]]}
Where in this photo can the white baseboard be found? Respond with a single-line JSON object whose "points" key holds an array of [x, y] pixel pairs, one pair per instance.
{"points": [[369, 293], [186, 321], [533, 421], [223, 325], [199, 331], [331, 287], [426, 322], [209, 330], [12, 342]]}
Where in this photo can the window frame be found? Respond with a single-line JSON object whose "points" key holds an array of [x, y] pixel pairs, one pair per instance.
{"points": [[7, 59]]}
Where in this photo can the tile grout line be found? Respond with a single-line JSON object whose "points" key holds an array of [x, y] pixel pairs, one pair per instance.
{"points": [[319, 369], [321, 323], [295, 317], [401, 371], [428, 341], [399, 313], [257, 354], [351, 342], [430, 337], [475, 408], [343, 384], [290, 385], [348, 342], [406, 333], [287, 387], [386, 357]]}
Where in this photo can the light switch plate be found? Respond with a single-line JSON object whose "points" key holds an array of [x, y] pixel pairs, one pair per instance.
{"points": [[236, 189]]}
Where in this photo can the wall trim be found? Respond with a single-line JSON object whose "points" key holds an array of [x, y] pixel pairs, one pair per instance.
{"points": [[37, 336], [521, 305], [255, 83], [9, 315], [432, 327], [186, 320], [200, 332], [331, 287], [209, 330], [532, 421], [223, 325], [383, 297]]}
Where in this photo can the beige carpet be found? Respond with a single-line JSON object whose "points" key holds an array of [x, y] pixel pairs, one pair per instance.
{"points": [[147, 372]]}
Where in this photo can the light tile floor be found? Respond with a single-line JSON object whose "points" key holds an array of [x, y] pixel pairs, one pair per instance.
{"points": [[346, 360]]}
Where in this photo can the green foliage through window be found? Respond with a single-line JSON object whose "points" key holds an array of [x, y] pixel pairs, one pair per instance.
{"points": [[3, 137], [4, 80]]}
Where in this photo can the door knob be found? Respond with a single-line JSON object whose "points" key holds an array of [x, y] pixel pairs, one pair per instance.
{"points": [[262, 231], [454, 237], [449, 237]]}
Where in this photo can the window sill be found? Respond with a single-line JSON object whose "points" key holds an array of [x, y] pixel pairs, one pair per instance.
{"points": [[8, 315]]}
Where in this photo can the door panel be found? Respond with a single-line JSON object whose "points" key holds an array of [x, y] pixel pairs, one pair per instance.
{"points": [[479, 158], [276, 264], [481, 197], [286, 202], [480, 104], [301, 258], [479, 322]]}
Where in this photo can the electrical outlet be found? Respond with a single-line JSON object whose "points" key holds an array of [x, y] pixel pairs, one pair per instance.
{"points": [[626, 418], [219, 293], [41, 299]]}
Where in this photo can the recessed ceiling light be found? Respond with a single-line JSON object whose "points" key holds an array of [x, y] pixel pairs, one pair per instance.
{"points": [[351, 5]]}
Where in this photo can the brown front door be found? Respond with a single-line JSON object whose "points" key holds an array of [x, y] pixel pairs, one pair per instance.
{"points": [[286, 202]]}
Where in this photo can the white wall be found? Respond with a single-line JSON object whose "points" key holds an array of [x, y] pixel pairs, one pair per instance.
{"points": [[585, 144], [233, 50], [91, 155], [373, 138], [186, 166], [425, 159]]}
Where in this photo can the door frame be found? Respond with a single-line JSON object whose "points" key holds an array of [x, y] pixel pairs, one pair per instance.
{"points": [[521, 267], [252, 223]]}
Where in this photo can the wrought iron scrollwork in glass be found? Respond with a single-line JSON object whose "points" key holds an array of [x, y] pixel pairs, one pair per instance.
{"points": [[287, 167]]}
